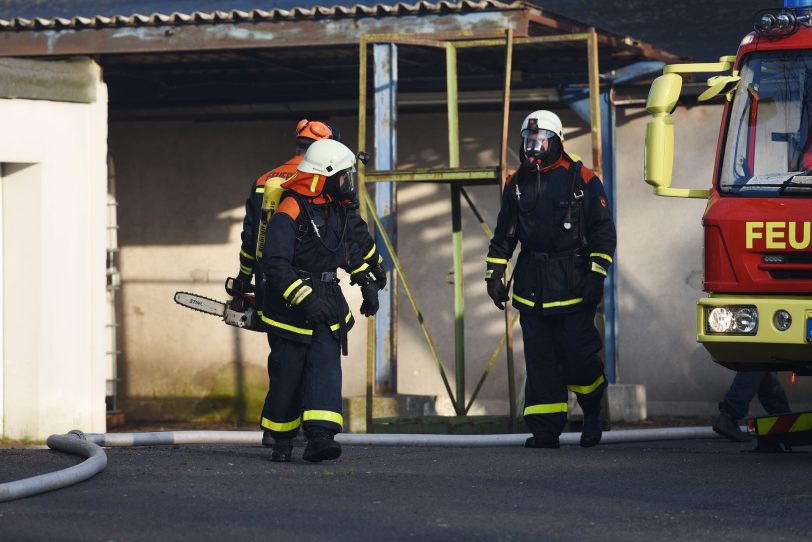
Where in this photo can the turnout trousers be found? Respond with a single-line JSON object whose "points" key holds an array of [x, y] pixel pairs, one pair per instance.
{"points": [[747, 385], [304, 385], [561, 355]]}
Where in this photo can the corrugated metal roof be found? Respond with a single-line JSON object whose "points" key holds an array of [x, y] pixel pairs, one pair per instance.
{"points": [[255, 15]]}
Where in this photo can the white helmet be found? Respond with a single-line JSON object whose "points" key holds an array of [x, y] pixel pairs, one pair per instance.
{"points": [[327, 157], [543, 120]]}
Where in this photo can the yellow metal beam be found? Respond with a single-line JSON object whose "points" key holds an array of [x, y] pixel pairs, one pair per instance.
{"points": [[433, 175]]}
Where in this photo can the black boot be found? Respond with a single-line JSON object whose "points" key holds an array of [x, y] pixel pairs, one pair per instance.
{"points": [[321, 446], [727, 426], [542, 440], [282, 450], [267, 438], [591, 432]]}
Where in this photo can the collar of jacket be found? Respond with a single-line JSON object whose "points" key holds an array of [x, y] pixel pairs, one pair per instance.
{"points": [[309, 185], [563, 160], [286, 170]]}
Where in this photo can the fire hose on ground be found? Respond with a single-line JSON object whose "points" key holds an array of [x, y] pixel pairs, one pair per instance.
{"points": [[90, 446]]}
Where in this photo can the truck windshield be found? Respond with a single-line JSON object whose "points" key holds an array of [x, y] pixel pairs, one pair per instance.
{"points": [[768, 148]]}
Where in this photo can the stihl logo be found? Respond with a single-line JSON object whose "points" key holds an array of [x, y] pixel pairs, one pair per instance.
{"points": [[195, 302], [778, 235]]}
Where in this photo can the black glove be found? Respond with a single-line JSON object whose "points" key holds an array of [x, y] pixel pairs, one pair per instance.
{"points": [[370, 304], [380, 276], [241, 283], [315, 310], [498, 292], [593, 289]]}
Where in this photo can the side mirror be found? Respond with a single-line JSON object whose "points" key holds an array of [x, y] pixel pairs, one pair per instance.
{"points": [[659, 156], [659, 152]]}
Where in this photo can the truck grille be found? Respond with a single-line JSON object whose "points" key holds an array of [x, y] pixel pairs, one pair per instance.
{"points": [[789, 266]]}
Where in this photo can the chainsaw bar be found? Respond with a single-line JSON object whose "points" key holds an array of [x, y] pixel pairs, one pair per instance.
{"points": [[201, 304]]}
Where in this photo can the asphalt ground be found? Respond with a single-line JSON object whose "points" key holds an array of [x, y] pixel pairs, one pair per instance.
{"points": [[693, 490]]}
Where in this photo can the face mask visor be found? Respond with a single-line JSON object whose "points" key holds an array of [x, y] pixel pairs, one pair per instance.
{"points": [[346, 183], [535, 142]]}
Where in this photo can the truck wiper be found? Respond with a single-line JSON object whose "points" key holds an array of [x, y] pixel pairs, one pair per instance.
{"points": [[799, 182]]}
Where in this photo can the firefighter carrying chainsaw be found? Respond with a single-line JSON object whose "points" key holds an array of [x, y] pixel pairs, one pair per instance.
{"points": [[557, 208], [303, 308], [262, 202]]}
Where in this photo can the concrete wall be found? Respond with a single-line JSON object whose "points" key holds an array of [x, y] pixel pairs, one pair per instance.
{"points": [[182, 185], [53, 179]]}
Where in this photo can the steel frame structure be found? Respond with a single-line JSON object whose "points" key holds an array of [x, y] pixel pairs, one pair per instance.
{"points": [[458, 177]]}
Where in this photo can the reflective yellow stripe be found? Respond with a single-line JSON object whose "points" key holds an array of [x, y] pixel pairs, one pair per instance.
{"points": [[552, 408], [363, 266], [560, 303], [314, 183], [246, 270], [371, 252], [598, 269], [324, 415], [803, 423], [489, 273], [380, 258], [246, 255], [335, 327], [287, 327], [260, 190], [281, 427], [303, 292], [765, 424], [292, 287], [606, 257], [583, 390], [496, 260], [523, 300]]}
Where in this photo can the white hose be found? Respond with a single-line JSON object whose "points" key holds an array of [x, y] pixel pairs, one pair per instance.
{"points": [[72, 443], [88, 444], [360, 439]]}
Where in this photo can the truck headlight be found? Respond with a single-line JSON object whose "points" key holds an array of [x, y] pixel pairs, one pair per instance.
{"points": [[732, 320]]}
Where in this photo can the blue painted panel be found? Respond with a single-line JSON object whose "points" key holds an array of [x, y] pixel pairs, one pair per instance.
{"points": [[386, 82]]}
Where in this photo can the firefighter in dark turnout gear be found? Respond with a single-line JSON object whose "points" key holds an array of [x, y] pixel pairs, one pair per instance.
{"points": [[558, 210], [262, 202], [303, 306], [256, 220]]}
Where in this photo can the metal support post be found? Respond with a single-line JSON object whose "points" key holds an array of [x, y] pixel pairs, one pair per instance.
{"points": [[502, 182], [456, 227], [386, 80], [362, 189]]}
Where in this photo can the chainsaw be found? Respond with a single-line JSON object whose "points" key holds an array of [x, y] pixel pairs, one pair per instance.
{"points": [[240, 312]]}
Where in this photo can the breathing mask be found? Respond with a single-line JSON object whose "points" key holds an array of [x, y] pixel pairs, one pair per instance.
{"points": [[539, 144], [341, 186]]}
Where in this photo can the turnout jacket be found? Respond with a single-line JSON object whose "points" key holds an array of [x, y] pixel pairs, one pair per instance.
{"points": [[249, 248], [554, 261], [307, 239]]}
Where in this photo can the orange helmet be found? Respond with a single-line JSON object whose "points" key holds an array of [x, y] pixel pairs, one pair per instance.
{"points": [[313, 129]]}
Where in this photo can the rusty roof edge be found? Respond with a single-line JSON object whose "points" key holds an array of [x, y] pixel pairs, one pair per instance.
{"points": [[606, 36], [257, 15]]}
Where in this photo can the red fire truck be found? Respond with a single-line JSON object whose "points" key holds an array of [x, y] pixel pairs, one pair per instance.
{"points": [[758, 220]]}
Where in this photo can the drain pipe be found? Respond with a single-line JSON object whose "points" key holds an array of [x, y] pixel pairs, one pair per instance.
{"points": [[89, 446]]}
